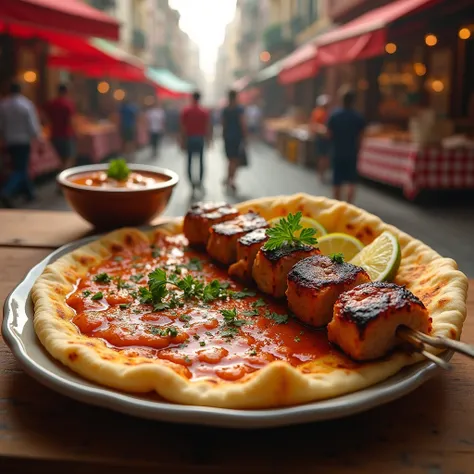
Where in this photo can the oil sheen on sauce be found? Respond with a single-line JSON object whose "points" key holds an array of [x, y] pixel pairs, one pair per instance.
{"points": [[99, 179], [197, 344]]}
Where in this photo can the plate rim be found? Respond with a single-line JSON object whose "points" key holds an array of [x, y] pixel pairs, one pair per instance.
{"points": [[94, 394]]}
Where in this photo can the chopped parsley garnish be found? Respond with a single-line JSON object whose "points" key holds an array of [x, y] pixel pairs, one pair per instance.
{"points": [[229, 332], [231, 323], [164, 332], [118, 169], [278, 318], [86, 293], [155, 252], [202, 343], [136, 278], [102, 278], [187, 359], [214, 290], [253, 352], [337, 257], [242, 294], [283, 234], [194, 264], [251, 313], [98, 296], [197, 337], [259, 303], [297, 339], [121, 284], [185, 318], [209, 333], [118, 258], [124, 305]]}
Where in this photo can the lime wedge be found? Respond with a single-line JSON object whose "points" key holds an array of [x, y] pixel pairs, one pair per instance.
{"points": [[306, 222], [381, 258], [340, 243]]}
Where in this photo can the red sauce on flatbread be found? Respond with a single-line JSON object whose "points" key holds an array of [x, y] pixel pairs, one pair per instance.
{"points": [[195, 336]]}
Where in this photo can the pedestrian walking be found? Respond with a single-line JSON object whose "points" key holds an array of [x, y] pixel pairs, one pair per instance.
{"points": [[196, 130], [318, 125], [128, 115], [19, 126], [253, 116], [155, 116], [60, 114], [345, 129], [234, 131]]}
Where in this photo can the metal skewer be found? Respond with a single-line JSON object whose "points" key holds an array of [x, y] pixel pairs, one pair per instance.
{"points": [[411, 336]]}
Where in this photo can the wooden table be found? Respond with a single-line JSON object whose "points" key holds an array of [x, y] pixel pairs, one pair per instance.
{"points": [[430, 431]]}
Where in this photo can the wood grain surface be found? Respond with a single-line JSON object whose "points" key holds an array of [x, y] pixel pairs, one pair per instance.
{"points": [[430, 431]]}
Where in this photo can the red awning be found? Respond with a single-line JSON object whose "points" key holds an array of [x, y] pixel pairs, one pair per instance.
{"points": [[301, 64], [68, 16], [365, 36]]}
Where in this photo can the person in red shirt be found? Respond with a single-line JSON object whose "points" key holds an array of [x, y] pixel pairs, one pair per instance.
{"points": [[196, 130], [60, 112]]}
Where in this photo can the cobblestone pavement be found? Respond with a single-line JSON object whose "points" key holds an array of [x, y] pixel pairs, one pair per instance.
{"points": [[447, 226]]}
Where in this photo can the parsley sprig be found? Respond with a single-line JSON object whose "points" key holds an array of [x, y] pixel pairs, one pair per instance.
{"points": [[337, 257], [283, 234], [118, 170]]}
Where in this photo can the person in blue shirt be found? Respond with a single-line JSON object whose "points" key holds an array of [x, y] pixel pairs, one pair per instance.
{"points": [[345, 129], [128, 114]]}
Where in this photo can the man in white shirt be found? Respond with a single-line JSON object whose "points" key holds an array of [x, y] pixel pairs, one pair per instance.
{"points": [[19, 126], [156, 124]]}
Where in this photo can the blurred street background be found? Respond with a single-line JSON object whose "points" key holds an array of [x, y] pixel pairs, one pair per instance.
{"points": [[410, 64]]}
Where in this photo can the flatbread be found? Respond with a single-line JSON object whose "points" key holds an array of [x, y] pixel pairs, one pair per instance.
{"points": [[435, 280]]}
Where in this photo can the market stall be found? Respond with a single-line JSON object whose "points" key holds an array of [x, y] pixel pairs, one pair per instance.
{"points": [[414, 168]]}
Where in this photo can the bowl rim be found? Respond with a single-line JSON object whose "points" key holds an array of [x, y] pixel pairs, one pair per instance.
{"points": [[63, 178]]}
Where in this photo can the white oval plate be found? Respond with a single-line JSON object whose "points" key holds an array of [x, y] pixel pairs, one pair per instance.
{"points": [[19, 334]]}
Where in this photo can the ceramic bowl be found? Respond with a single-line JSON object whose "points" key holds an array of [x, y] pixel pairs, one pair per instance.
{"points": [[112, 208]]}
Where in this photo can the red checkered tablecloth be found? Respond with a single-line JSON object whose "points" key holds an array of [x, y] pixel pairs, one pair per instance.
{"points": [[413, 169]]}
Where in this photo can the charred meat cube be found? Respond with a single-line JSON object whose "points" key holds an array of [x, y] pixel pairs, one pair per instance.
{"points": [[366, 319], [222, 244], [202, 216], [247, 248], [271, 267], [314, 285]]}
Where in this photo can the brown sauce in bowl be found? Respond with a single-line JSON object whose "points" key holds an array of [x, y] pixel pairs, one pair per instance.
{"points": [[135, 180]]}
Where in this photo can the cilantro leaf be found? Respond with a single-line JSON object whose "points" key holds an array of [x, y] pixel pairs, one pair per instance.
{"points": [[136, 278], [283, 234], [102, 278], [157, 285], [278, 318], [202, 343], [124, 305], [164, 332], [194, 264], [242, 294], [252, 352], [98, 296], [337, 257], [251, 313], [259, 303], [297, 339], [214, 290], [118, 170], [229, 315], [145, 295], [86, 293]]}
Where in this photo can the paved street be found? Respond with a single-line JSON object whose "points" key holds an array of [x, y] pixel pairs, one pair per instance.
{"points": [[446, 226]]}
